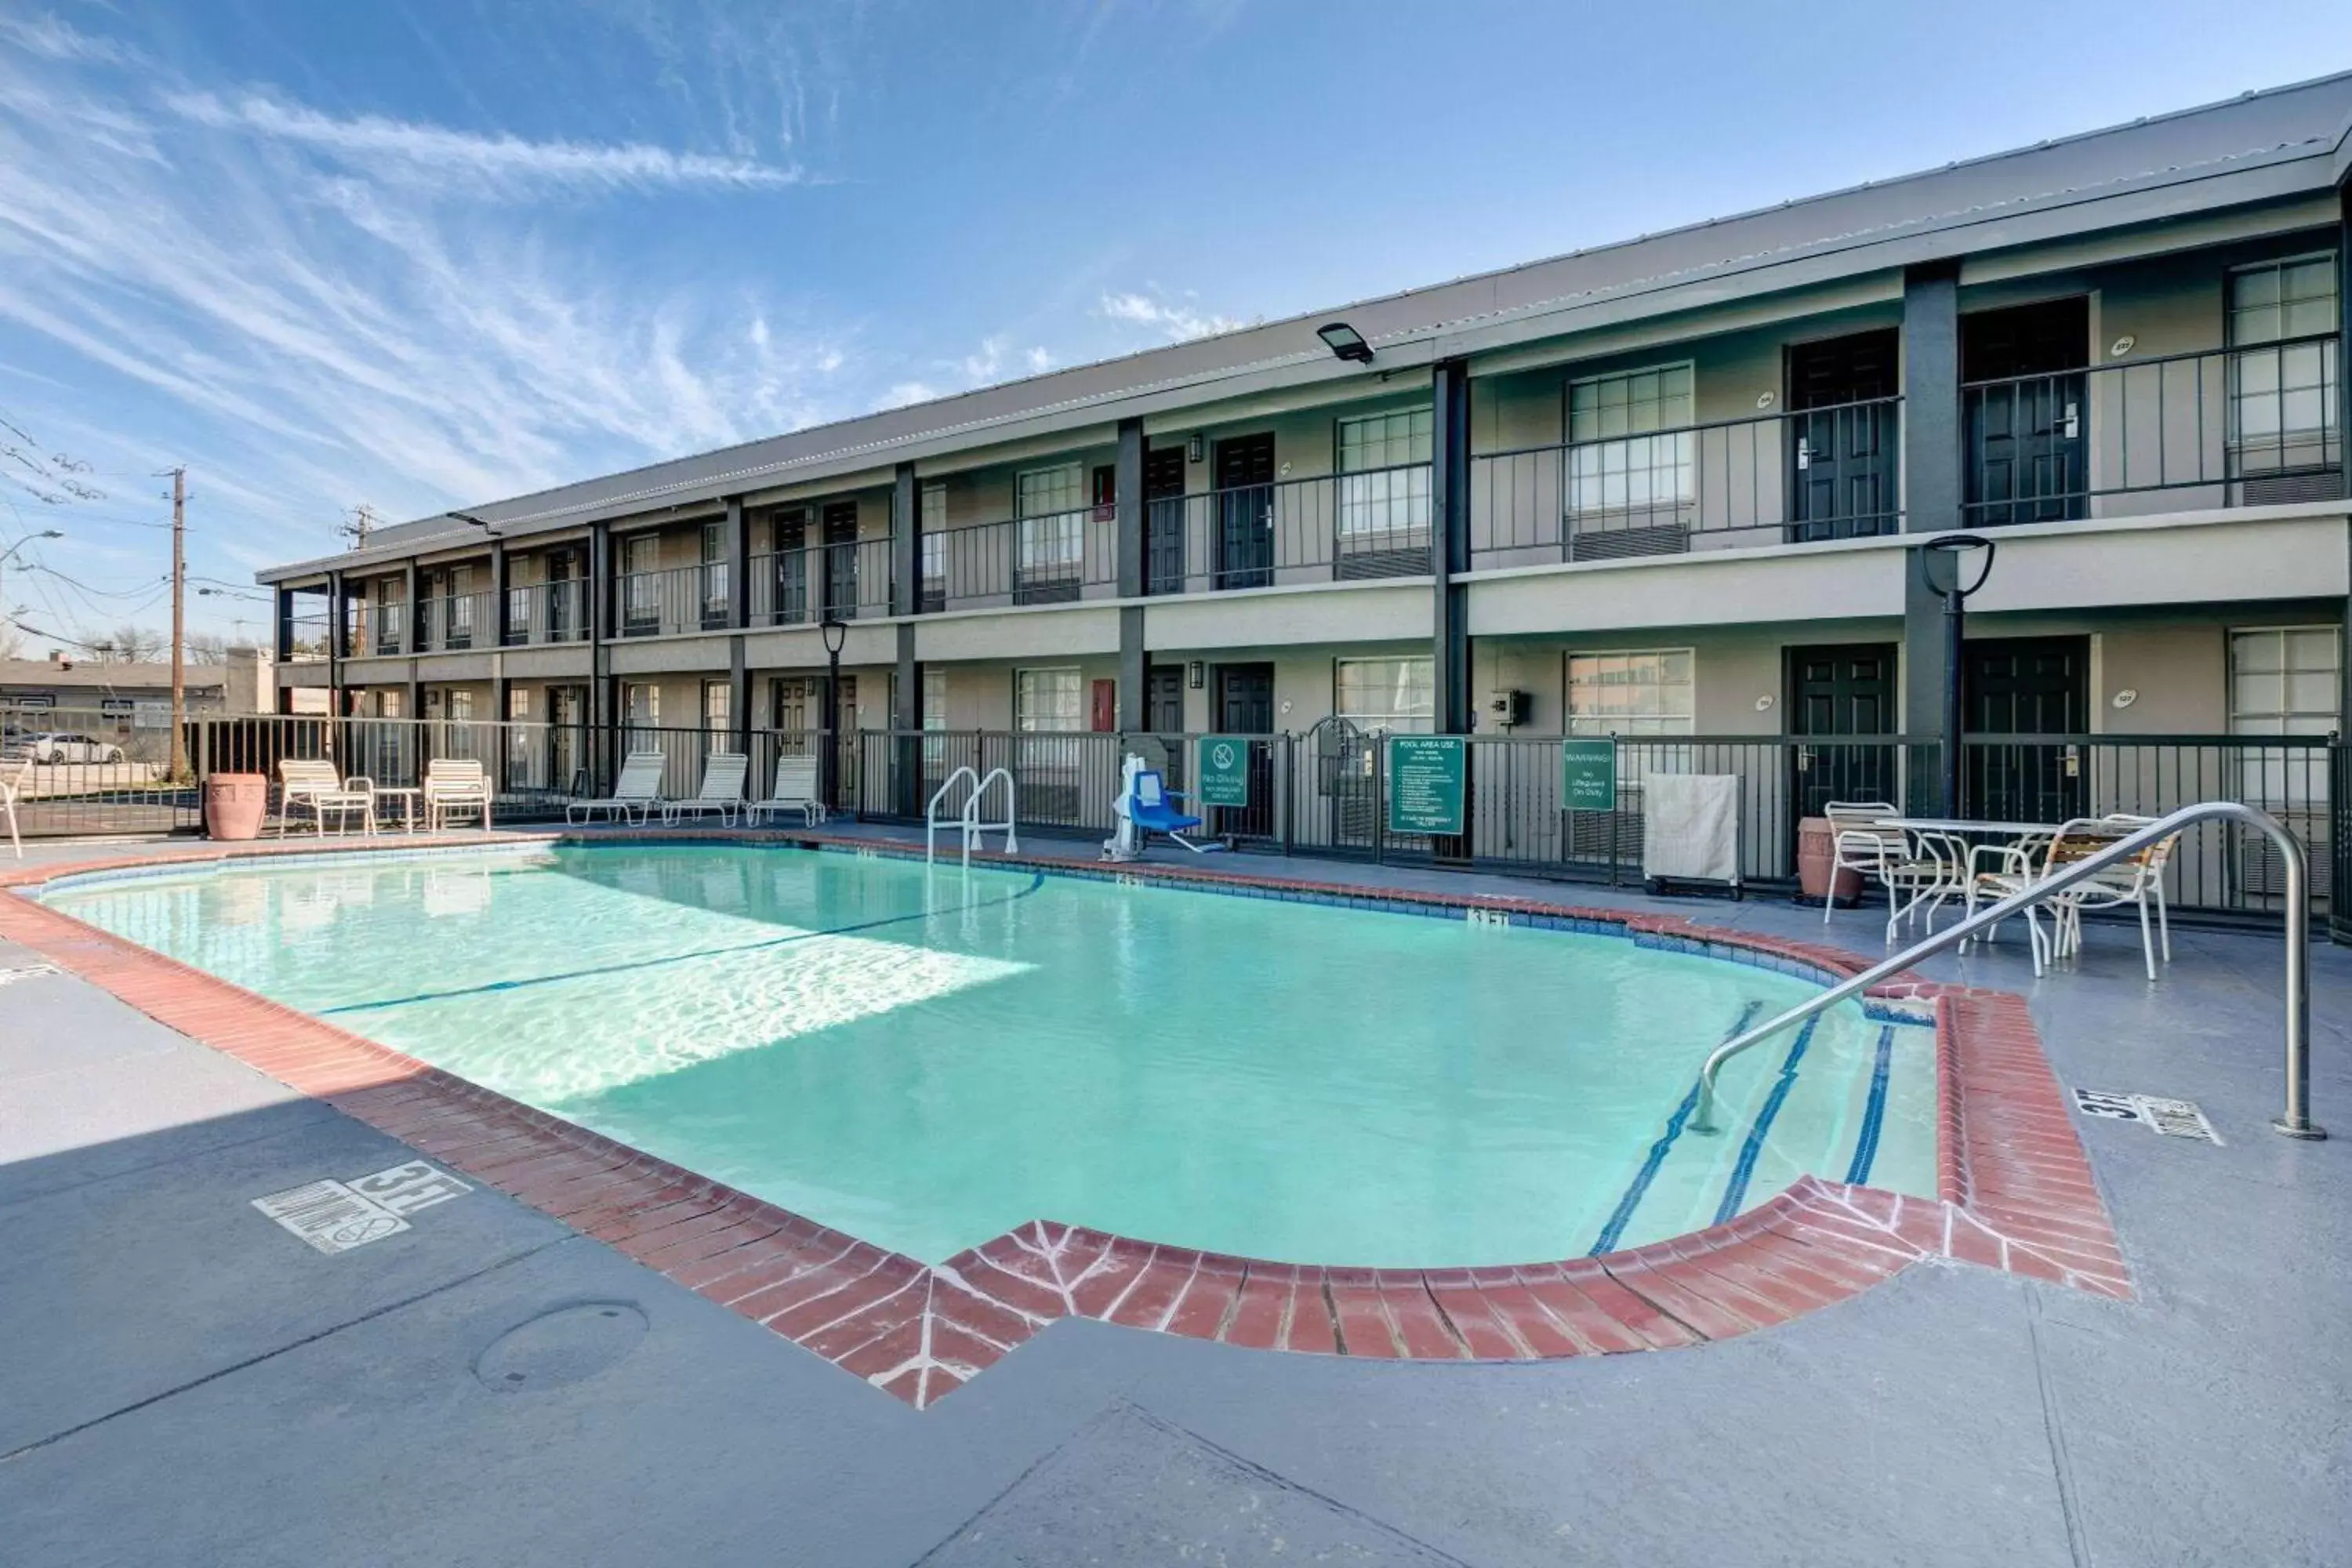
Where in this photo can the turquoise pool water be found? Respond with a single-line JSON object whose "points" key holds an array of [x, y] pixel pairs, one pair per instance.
{"points": [[927, 1060]]}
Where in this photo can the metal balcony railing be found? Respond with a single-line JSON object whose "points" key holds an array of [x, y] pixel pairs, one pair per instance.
{"points": [[844, 582], [2249, 426], [1813, 474], [1044, 559], [455, 623], [390, 628], [1368, 523], [546, 613], [674, 600]]}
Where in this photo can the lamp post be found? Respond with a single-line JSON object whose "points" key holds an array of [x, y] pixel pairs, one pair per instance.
{"points": [[1944, 568], [834, 631]]}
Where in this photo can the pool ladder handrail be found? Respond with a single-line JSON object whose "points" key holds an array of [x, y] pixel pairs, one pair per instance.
{"points": [[967, 818], [2294, 1122]]}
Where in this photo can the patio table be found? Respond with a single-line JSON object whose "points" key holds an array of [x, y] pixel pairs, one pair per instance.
{"points": [[408, 801]]}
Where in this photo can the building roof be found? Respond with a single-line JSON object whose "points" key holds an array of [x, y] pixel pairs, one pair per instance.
{"points": [[90, 675], [2261, 146]]}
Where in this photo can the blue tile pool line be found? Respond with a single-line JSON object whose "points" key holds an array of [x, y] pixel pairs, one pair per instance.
{"points": [[1735, 1191], [1639, 1187], [1865, 1148]]}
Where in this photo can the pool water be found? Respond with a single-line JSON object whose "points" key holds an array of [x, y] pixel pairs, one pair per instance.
{"points": [[929, 1059]]}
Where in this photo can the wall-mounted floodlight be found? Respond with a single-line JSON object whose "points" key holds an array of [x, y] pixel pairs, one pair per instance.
{"points": [[470, 519], [1346, 342]]}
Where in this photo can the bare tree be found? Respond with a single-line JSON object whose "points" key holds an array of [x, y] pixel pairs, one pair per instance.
{"points": [[207, 648], [129, 645]]}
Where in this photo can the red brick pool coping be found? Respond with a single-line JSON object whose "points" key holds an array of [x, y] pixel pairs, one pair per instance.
{"points": [[2015, 1189]]}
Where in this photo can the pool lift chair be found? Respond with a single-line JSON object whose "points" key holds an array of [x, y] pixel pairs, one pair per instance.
{"points": [[1142, 809]]}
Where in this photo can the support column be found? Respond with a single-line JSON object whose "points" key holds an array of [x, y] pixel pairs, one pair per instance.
{"points": [[2344, 344], [412, 638], [906, 521], [1449, 543], [906, 542], [1931, 505], [1127, 497], [907, 694], [285, 636], [338, 647], [738, 615], [600, 628]]}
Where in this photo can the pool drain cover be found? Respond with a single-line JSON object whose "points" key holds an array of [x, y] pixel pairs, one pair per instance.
{"points": [[561, 1347]]}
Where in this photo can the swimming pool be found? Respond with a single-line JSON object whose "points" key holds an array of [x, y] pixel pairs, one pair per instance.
{"points": [[927, 1060]]}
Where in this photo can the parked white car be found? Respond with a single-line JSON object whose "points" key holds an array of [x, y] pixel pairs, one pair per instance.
{"points": [[58, 746]]}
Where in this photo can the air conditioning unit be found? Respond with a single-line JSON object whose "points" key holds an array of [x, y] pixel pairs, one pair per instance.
{"points": [[1506, 709]]}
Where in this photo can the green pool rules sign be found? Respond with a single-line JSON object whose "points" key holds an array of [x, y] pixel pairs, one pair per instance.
{"points": [[1222, 778], [1588, 775], [1426, 779]]}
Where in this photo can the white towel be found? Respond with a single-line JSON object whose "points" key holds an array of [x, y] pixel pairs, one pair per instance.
{"points": [[1690, 826]]}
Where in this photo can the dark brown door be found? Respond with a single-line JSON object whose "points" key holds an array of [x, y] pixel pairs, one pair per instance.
{"points": [[2024, 411], [2014, 687], [1836, 691], [1164, 520], [1245, 475], [1163, 688], [792, 567], [841, 559], [1246, 707], [1842, 437]]}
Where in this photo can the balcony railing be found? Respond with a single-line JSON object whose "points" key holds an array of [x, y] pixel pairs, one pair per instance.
{"points": [[1045, 560], [678, 599], [546, 613], [2250, 426], [842, 582], [1814, 474], [455, 623], [390, 625], [1370, 523]]}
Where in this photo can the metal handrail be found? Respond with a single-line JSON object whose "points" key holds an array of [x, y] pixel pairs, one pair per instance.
{"points": [[2295, 1123], [931, 811]]}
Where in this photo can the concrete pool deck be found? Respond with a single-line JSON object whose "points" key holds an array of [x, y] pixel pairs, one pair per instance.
{"points": [[189, 1384]]}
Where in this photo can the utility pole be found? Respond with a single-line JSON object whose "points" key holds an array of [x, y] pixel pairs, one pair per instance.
{"points": [[179, 624], [361, 524]]}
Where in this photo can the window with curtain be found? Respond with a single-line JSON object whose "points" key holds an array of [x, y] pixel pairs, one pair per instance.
{"points": [[934, 590], [1385, 694], [1642, 692], [640, 704], [1384, 473], [2285, 680], [717, 707], [1049, 701], [1050, 504], [640, 588], [715, 586], [2283, 391], [1627, 449]]}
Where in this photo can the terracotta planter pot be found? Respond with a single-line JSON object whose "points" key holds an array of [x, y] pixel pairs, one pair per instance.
{"points": [[1816, 853], [234, 805]]}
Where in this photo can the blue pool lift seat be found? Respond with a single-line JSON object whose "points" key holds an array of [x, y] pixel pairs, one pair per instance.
{"points": [[1147, 806]]}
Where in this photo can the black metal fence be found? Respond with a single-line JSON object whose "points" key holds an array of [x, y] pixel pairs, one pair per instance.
{"points": [[1321, 793]]}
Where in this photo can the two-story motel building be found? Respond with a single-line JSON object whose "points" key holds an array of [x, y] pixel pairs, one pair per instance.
{"points": [[1673, 486]]}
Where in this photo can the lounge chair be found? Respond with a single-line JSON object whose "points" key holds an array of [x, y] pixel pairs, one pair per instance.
{"points": [[313, 784], [723, 773], [796, 790], [11, 792], [635, 793], [455, 786]]}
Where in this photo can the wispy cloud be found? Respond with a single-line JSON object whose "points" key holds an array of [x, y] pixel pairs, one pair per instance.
{"points": [[1175, 319], [52, 38], [408, 150]]}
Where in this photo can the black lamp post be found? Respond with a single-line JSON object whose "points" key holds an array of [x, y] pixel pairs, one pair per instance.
{"points": [[835, 632], [1945, 568]]}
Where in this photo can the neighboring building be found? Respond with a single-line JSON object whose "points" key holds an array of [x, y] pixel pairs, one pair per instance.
{"points": [[79, 690], [1671, 487]]}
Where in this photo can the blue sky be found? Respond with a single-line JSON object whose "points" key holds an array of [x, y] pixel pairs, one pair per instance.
{"points": [[430, 254]]}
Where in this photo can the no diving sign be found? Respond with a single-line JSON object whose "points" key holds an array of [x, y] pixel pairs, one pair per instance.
{"points": [[334, 1216]]}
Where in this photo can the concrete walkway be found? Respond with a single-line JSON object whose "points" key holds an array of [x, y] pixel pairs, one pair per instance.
{"points": [[183, 1382]]}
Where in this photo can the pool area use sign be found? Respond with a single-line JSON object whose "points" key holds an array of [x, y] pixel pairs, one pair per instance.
{"points": [[1223, 776], [1427, 780], [1588, 779]]}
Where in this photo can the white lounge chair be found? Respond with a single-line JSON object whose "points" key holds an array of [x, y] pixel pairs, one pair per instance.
{"points": [[313, 784], [796, 790], [455, 786], [723, 773], [635, 793], [11, 792]]}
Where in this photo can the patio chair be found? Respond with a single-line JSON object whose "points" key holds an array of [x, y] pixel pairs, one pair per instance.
{"points": [[723, 773], [635, 793], [1857, 820], [11, 792], [2013, 867], [2137, 879], [796, 790], [313, 784], [455, 786]]}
